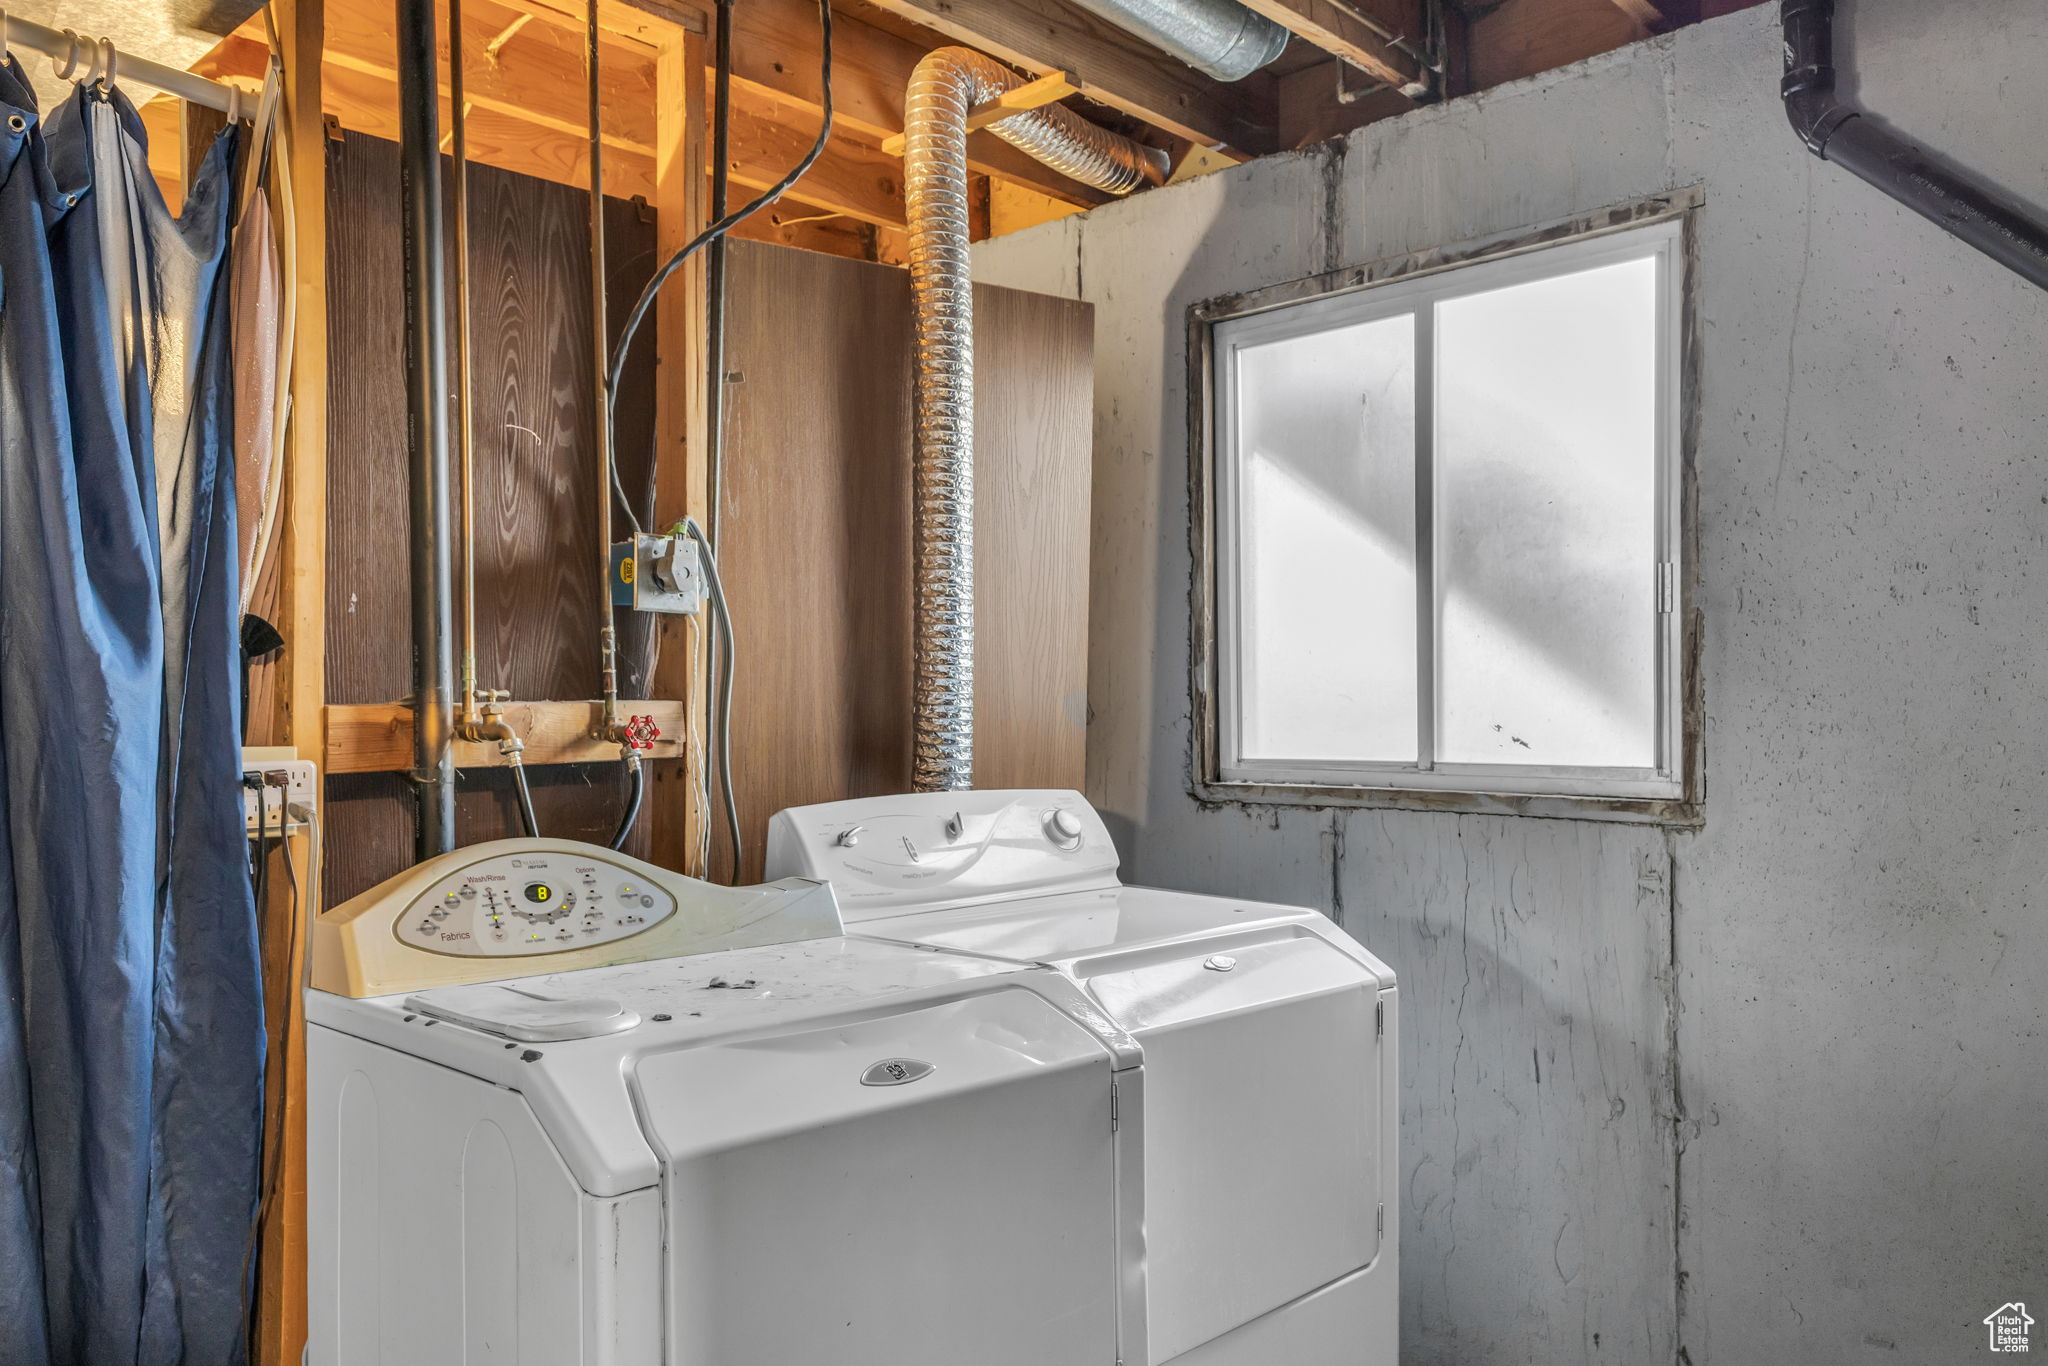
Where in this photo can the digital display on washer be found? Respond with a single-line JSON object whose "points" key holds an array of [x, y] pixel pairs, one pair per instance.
{"points": [[511, 906]]}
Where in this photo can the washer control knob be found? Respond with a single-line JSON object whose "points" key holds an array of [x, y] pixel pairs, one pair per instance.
{"points": [[849, 836], [1063, 828]]}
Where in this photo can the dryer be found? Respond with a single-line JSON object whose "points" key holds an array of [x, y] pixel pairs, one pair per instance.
{"points": [[1268, 1041], [568, 1108]]}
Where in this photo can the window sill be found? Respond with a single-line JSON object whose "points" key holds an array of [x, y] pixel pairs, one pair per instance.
{"points": [[1672, 813]]}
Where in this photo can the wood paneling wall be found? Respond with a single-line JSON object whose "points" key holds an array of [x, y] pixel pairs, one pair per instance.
{"points": [[535, 489], [814, 532], [815, 528]]}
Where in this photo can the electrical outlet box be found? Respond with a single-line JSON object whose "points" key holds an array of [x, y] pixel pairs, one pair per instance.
{"points": [[657, 574], [301, 787]]}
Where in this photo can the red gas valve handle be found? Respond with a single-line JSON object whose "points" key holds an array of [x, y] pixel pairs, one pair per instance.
{"points": [[639, 732]]}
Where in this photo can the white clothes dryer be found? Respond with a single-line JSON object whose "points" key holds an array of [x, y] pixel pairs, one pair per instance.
{"points": [[1268, 1041]]}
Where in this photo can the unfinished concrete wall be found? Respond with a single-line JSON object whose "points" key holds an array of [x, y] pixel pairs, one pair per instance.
{"points": [[1776, 1090]]}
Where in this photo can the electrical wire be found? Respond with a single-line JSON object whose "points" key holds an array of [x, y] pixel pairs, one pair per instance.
{"points": [[648, 294], [272, 1155], [727, 661], [711, 234], [635, 793]]}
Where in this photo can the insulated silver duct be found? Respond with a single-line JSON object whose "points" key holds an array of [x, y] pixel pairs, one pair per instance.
{"points": [[1219, 38], [946, 85]]}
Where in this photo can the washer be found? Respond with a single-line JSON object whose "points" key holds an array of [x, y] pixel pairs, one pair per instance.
{"points": [[1268, 1039], [568, 1108]]}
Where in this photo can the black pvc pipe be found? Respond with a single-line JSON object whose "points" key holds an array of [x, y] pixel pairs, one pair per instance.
{"points": [[426, 382], [1994, 223]]}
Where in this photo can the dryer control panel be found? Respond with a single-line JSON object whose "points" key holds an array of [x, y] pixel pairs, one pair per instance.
{"points": [[537, 902], [933, 850]]}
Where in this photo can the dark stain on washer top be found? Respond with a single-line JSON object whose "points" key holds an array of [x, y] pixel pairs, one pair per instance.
{"points": [[721, 984]]}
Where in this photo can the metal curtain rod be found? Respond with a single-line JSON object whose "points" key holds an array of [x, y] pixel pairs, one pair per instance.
{"points": [[185, 85]]}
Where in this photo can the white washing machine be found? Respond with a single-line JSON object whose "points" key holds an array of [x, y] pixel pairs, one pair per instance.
{"points": [[567, 1109], [1269, 1172]]}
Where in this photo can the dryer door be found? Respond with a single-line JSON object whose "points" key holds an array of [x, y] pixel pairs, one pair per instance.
{"points": [[1262, 1099], [925, 1188]]}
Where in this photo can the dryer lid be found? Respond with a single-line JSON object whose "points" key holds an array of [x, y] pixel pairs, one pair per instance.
{"points": [[1059, 928]]}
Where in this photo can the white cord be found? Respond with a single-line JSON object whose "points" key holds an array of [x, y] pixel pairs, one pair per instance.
{"points": [[696, 770], [309, 816]]}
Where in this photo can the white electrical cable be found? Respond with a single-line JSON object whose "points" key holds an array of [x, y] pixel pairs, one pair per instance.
{"points": [[316, 866], [286, 225], [696, 768], [727, 665]]}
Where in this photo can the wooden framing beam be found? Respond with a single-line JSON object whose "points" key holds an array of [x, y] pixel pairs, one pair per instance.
{"points": [[1112, 66], [376, 737], [537, 76], [1524, 37], [681, 472], [1047, 89], [1336, 28], [850, 178], [1642, 11], [281, 1310], [775, 63]]}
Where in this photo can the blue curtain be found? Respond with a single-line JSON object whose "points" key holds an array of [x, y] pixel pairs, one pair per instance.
{"points": [[131, 1021]]}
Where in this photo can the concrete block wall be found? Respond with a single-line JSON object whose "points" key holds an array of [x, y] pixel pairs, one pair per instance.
{"points": [[1772, 1091]]}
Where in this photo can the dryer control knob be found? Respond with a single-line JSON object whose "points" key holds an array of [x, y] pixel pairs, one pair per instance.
{"points": [[1063, 828]]}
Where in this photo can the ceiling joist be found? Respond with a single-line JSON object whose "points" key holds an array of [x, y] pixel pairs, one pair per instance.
{"points": [[526, 96], [1361, 32], [1112, 66]]}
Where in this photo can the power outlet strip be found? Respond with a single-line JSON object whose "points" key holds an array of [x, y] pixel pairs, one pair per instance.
{"points": [[300, 789]]}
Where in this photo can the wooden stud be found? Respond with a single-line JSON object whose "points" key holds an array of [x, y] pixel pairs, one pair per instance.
{"points": [[376, 737], [681, 204], [282, 1306]]}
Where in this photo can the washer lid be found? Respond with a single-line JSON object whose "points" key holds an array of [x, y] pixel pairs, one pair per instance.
{"points": [[514, 1011], [965, 1211]]}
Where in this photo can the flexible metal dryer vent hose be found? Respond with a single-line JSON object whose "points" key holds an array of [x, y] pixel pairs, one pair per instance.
{"points": [[946, 85]]}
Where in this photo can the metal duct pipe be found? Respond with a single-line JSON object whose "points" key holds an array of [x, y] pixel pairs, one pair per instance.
{"points": [[946, 85], [1993, 223], [426, 375], [1219, 38]]}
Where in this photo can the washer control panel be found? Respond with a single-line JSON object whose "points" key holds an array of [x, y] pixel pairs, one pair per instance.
{"points": [[509, 906], [934, 850]]}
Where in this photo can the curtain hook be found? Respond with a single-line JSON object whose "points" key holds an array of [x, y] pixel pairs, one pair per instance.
{"points": [[4, 52], [70, 63], [110, 58]]}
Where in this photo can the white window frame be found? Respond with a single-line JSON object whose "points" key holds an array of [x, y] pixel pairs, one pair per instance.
{"points": [[1418, 292]]}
